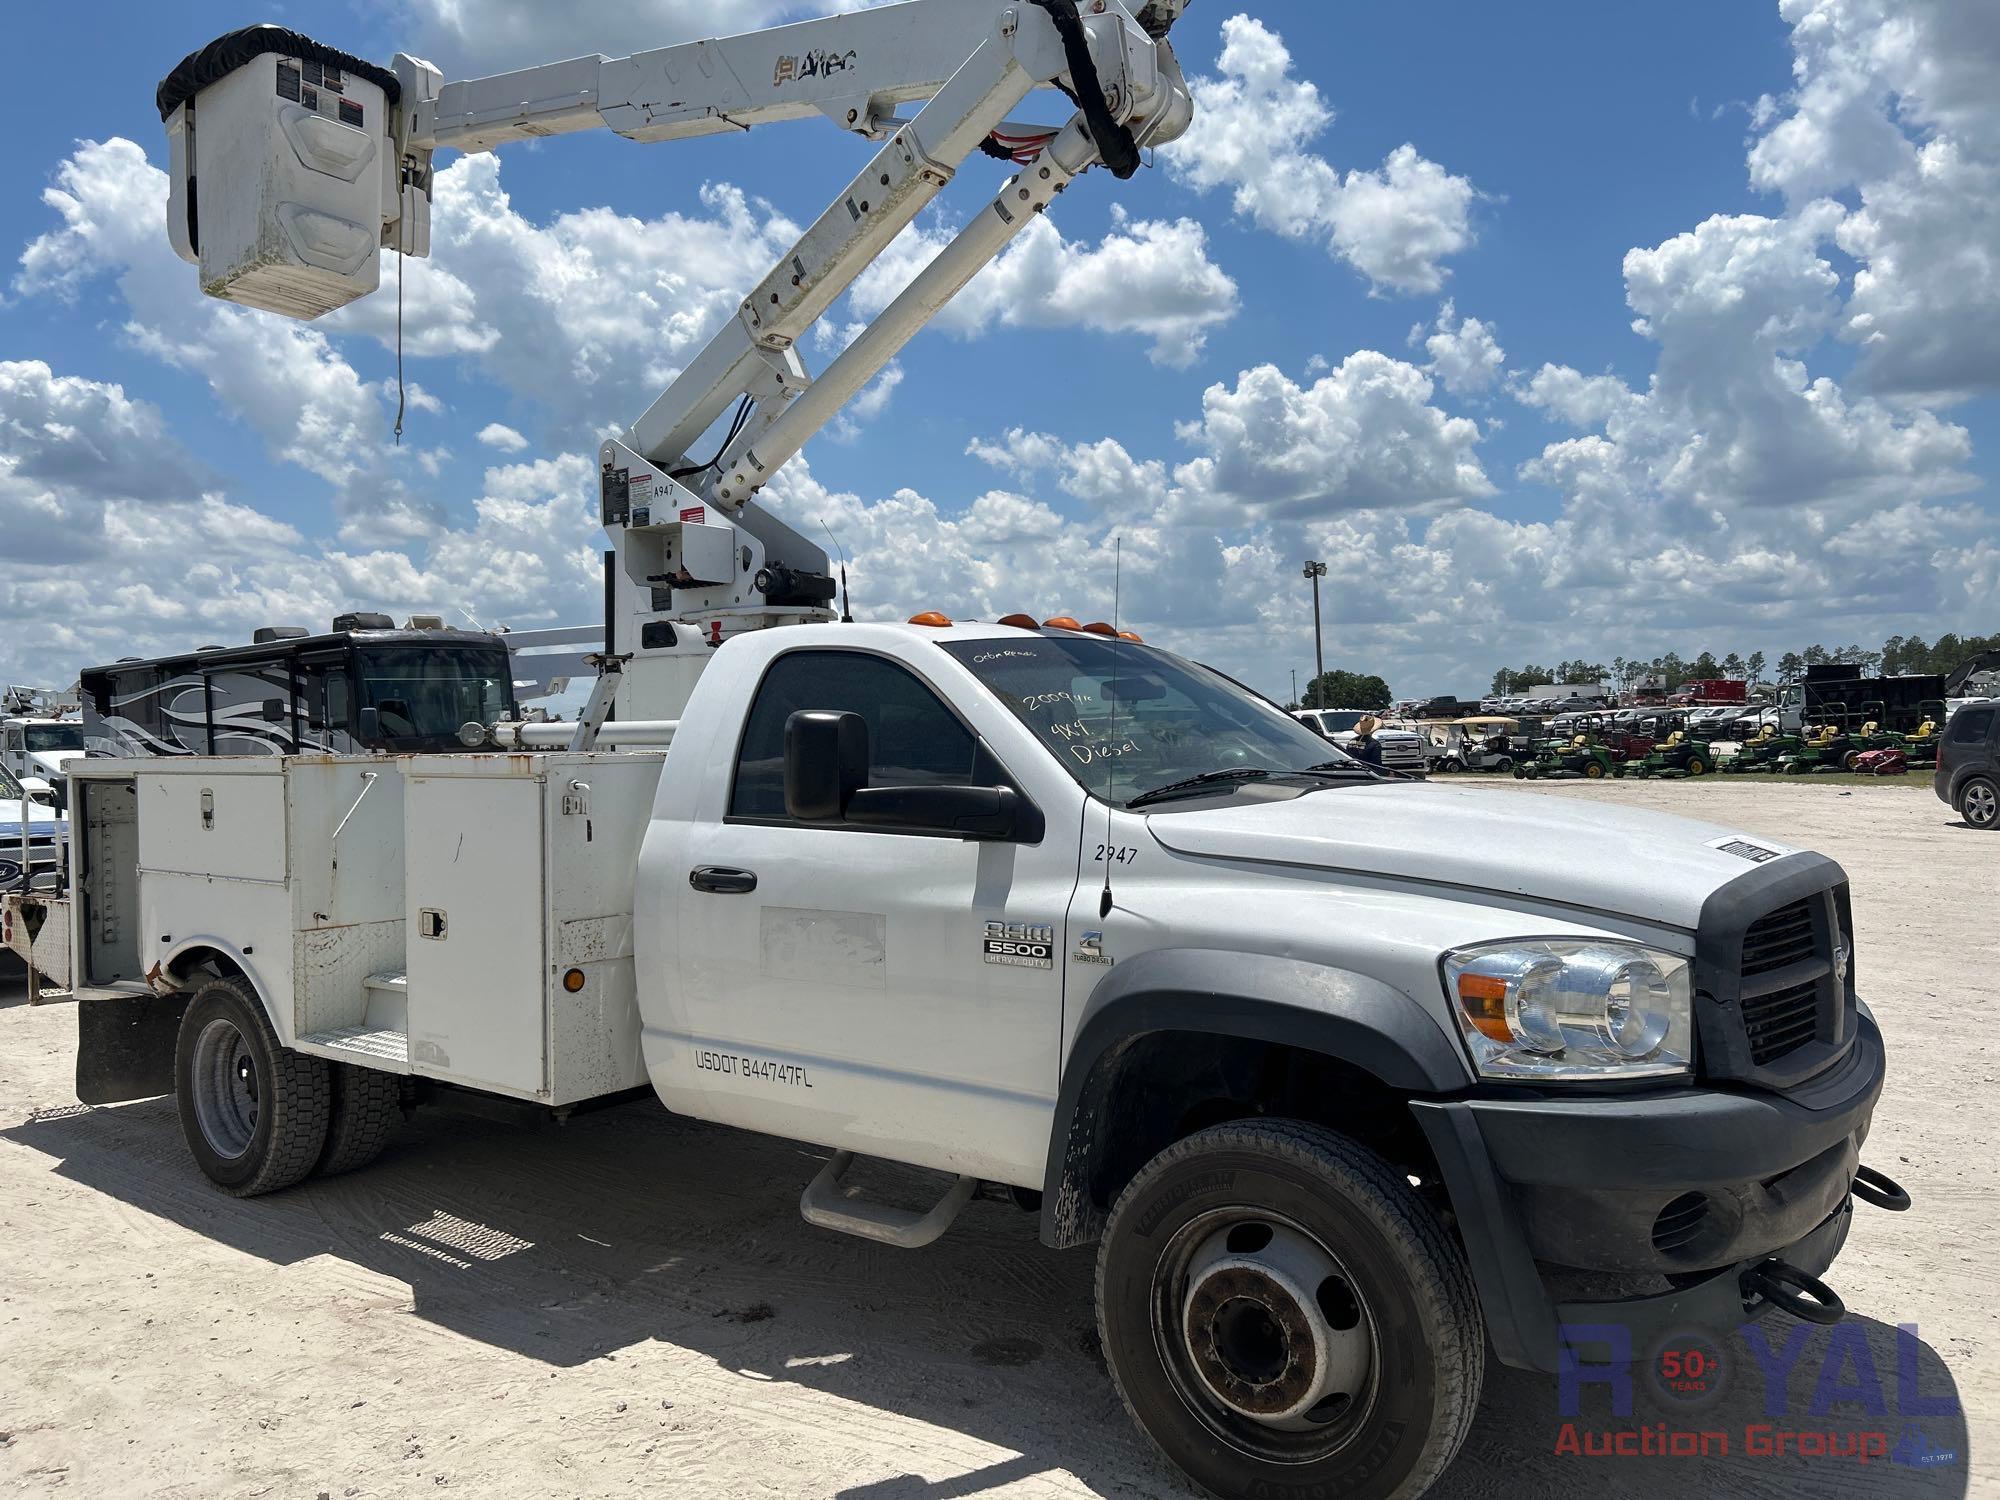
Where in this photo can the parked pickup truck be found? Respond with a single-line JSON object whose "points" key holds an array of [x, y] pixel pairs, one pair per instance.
{"points": [[1346, 1075]]}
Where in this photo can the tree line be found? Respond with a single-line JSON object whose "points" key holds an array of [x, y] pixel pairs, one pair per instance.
{"points": [[1899, 656]]}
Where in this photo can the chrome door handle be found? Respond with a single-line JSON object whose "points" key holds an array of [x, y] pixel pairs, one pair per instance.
{"points": [[718, 881]]}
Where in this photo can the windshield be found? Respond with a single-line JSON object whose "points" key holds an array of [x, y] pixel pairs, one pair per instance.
{"points": [[1125, 719], [54, 737], [1340, 720], [422, 694], [10, 789]]}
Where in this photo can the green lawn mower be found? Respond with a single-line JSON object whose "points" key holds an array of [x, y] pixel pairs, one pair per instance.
{"points": [[1579, 760], [1921, 744], [1829, 748], [1675, 758], [1762, 752]]}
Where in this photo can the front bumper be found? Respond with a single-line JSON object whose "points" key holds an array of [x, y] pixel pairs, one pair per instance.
{"points": [[1677, 1194]]}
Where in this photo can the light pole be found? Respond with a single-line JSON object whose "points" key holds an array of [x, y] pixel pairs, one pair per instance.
{"points": [[1316, 571], [1295, 689]]}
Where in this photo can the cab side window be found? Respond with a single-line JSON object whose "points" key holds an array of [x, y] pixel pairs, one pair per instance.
{"points": [[913, 739]]}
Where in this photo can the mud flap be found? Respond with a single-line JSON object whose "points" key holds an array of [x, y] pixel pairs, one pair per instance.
{"points": [[125, 1048]]}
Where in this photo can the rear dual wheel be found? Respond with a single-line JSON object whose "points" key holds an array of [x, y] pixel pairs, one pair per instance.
{"points": [[258, 1116], [1283, 1316]]}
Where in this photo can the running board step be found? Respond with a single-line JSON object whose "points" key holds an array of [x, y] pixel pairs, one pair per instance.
{"points": [[368, 1046], [823, 1204]]}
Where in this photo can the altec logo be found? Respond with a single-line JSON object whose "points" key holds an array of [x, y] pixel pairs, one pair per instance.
{"points": [[1847, 1416]]}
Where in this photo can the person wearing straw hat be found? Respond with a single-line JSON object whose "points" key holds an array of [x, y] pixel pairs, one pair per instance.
{"points": [[1365, 747]]}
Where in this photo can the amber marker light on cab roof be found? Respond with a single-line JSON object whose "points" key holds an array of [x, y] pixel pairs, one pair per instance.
{"points": [[1020, 622], [1099, 628], [1061, 622], [1134, 637], [932, 618]]}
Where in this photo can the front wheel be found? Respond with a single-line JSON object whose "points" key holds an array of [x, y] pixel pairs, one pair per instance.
{"points": [[1696, 766], [1979, 804], [1594, 771], [1284, 1316]]}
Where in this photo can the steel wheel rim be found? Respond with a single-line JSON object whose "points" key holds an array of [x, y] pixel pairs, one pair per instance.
{"points": [[1265, 1336], [226, 1089], [1982, 804]]}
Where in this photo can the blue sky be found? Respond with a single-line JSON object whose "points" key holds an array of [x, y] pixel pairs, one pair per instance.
{"points": [[1214, 361]]}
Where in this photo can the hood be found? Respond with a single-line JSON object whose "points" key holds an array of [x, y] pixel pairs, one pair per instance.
{"points": [[1652, 866], [51, 762]]}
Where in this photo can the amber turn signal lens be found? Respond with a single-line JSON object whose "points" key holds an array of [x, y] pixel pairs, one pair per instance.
{"points": [[931, 617], [1483, 998], [573, 980]]}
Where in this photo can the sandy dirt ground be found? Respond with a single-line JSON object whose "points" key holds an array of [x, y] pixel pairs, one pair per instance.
{"points": [[630, 1303]]}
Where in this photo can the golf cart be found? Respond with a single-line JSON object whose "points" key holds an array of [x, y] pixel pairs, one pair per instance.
{"points": [[1480, 743]]}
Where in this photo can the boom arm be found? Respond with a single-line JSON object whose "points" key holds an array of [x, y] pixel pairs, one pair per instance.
{"points": [[692, 548]]}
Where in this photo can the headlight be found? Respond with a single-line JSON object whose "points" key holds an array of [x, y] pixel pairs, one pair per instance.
{"points": [[1555, 1009]]}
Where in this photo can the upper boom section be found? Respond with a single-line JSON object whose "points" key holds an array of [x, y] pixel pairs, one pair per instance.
{"points": [[856, 69]]}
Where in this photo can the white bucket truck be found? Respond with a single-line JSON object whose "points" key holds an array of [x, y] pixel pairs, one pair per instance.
{"points": [[1346, 1076]]}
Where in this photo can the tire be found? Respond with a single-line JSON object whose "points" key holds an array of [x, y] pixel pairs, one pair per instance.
{"points": [[254, 1113], [1209, 1232], [1696, 766], [1850, 760], [1593, 771], [366, 1106], [1503, 765], [1979, 804]]}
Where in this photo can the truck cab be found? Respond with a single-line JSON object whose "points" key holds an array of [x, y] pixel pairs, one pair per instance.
{"points": [[36, 748]]}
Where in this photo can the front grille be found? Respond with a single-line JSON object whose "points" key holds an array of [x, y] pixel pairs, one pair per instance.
{"points": [[1781, 1022], [1771, 1008], [1783, 938]]}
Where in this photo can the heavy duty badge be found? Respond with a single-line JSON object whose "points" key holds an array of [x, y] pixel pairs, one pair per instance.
{"points": [[1021, 945]]}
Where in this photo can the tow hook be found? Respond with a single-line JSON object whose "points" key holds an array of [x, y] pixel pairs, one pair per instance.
{"points": [[1871, 1186], [1785, 1285]]}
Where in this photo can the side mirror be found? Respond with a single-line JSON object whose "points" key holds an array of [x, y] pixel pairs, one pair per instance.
{"points": [[826, 764], [371, 725], [276, 711]]}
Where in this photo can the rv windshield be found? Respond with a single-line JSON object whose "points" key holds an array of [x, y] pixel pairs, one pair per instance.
{"points": [[44, 737], [422, 694]]}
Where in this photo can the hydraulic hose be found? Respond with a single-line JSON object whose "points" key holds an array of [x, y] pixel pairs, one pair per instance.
{"points": [[1114, 141]]}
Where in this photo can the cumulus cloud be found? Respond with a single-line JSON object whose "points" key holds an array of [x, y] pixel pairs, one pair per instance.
{"points": [[1465, 353], [1150, 278], [287, 381], [499, 435], [157, 577], [1363, 436], [1893, 101], [1253, 129]]}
